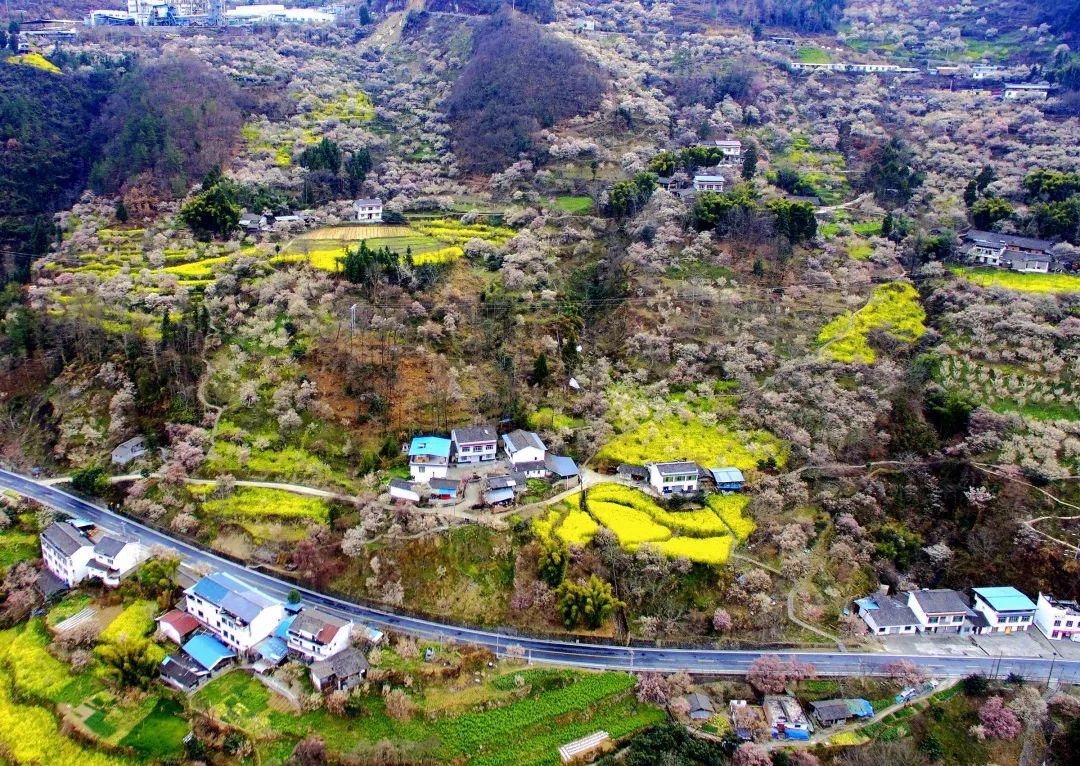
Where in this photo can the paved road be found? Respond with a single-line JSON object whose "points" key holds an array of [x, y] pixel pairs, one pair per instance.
{"points": [[543, 650]]}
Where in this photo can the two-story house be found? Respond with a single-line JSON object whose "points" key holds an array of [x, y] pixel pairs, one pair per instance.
{"points": [[674, 478], [475, 444], [114, 558], [316, 635], [709, 183], [1005, 608], [940, 611], [523, 448], [429, 457], [66, 552], [238, 614], [368, 210], [1057, 619], [731, 148]]}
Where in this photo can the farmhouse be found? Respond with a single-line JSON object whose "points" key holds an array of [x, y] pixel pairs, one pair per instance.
{"points": [[1057, 619], [132, 449], [182, 672], [368, 210], [728, 479], [523, 447], [1034, 92], [885, 615], [786, 718], [236, 613], [988, 248], [710, 183], [1006, 609], [701, 707], [66, 552], [177, 626], [114, 558], [986, 72], [732, 149], [315, 635], [671, 478], [940, 611], [476, 444], [343, 671], [445, 490], [429, 456], [400, 489], [831, 712]]}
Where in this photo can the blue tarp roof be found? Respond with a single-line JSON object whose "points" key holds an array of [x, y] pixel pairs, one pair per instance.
{"points": [[430, 445], [860, 707], [1005, 599], [728, 475], [272, 649], [282, 630], [207, 651]]}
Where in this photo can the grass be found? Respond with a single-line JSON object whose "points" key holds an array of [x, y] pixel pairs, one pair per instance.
{"points": [[894, 308], [671, 438], [575, 205], [258, 502], [547, 417], [1013, 280], [69, 606], [811, 55], [160, 734], [859, 250], [16, 546]]}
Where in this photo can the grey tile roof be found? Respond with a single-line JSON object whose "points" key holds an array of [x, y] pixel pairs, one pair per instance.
{"points": [[500, 482], [444, 483], [519, 440], [940, 601], [473, 435], [699, 702], [831, 710], [998, 240], [344, 664], [670, 469], [314, 623], [109, 546], [890, 612], [65, 538]]}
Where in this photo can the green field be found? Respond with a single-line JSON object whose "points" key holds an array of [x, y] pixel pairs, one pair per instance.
{"points": [[812, 55], [575, 205], [16, 546]]}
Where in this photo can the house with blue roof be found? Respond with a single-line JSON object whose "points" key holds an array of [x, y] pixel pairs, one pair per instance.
{"points": [[237, 614], [208, 652], [1005, 608], [429, 458]]}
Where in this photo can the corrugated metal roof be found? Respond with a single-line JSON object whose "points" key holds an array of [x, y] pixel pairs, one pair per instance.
{"points": [[207, 651], [1005, 599], [430, 445]]}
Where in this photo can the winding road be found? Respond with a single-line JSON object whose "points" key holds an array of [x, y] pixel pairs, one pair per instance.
{"points": [[567, 652]]}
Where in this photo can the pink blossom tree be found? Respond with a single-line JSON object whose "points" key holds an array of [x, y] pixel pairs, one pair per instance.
{"points": [[771, 675], [750, 754], [998, 721]]}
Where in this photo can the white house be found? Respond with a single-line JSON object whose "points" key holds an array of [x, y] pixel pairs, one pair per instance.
{"points": [[114, 558], [1005, 608], [709, 183], [400, 489], [732, 149], [368, 210], [345, 670], [1007, 251], [429, 457], [476, 444], [132, 449], [66, 552], [523, 447], [671, 478], [1057, 619], [1036, 92], [316, 635], [940, 611], [237, 614], [986, 72], [886, 616]]}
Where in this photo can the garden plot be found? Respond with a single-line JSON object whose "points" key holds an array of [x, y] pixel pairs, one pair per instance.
{"points": [[1026, 283]]}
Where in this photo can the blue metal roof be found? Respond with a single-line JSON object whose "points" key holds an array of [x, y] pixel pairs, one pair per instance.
{"points": [[272, 649], [209, 589], [561, 465], [1005, 599], [282, 630], [728, 475], [430, 445], [500, 495], [207, 651]]}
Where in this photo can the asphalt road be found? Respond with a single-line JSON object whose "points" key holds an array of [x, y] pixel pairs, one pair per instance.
{"points": [[570, 653]]}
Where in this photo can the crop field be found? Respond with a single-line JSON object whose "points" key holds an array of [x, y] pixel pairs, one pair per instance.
{"points": [[577, 528], [859, 249], [636, 518], [732, 511], [35, 60], [546, 417], [893, 307], [357, 233], [1014, 280], [671, 438], [16, 546], [1012, 389], [812, 55], [136, 621], [579, 205], [259, 503], [455, 232]]}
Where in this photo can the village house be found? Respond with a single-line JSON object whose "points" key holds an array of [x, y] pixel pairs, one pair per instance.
{"points": [[1057, 619], [66, 552], [132, 449], [445, 490], [732, 149], [700, 706], [182, 672], [235, 612], [709, 183], [429, 457], [400, 489], [832, 712], [672, 478], [986, 72], [499, 490], [315, 635], [176, 626], [475, 444], [1027, 91], [886, 616], [1006, 251], [523, 447], [253, 223], [368, 210], [1006, 609], [785, 717], [941, 611], [783, 42], [113, 559], [341, 672]]}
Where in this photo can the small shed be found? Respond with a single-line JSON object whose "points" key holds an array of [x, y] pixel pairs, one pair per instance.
{"points": [[177, 626], [561, 467], [499, 496], [208, 651], [403, 490], [445, 490], [701, 707], [633, 472], [728, 479]]}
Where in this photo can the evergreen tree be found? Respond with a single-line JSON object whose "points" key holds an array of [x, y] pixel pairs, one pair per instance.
{"points": [[749, 162], [121, 211], [365, 15], [541, 372]]}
